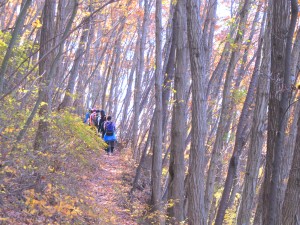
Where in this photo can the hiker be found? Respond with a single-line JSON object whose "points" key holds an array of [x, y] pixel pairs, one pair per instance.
{"points": [[110, 135], [92, 117], [101, 122], [87, 116], [97, 119]]}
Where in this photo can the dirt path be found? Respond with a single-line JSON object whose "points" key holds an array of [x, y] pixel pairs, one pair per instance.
{"points": [[108, 189]]}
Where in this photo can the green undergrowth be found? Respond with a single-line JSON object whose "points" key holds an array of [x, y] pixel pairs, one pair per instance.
{"points": [[50, 185], [73, 127]]}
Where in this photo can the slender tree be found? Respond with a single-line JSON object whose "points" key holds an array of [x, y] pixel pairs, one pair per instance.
{"points": [[281, 54], [67, 100], [291, 207], [14, 37], [195, 190], [22, 132], [258, 127], [157, 137], [241, 136], [178, 129], [46, 43], [223, 125], [168, 70], [142, 35]]}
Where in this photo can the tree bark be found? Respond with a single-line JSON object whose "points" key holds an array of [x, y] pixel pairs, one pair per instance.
{"points": [[258, 211], [208, 32], [142, 160], [128, 95], [68, 98], [18, 27], [106, 80], [22, 132], [116, 65], [240, 139], [79, 104], [157, 137], [291, 207], [281, 53], [258, 127], [226, 103], [242, 71], [195, 189], [178, 129], [168, 72], [46, 43], [291, 129], [139, 73]]}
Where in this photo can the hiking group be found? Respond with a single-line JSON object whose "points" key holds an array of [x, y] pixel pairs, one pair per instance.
{"points": [[105, 127]]}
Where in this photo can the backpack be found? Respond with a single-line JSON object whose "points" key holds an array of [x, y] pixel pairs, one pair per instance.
{"points": [[93, 119], [109, 128], [101, 124], [96, 119]]}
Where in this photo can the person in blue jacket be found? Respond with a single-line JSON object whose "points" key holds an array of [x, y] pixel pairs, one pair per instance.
{"points": [[87, 116], [110, 135]]}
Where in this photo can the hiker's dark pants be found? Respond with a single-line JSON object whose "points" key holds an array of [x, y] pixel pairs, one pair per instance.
{"points": [[102, 132], [111, 146]]}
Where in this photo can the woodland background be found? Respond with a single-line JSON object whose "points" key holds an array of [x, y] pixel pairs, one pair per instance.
{"points": [[204, 94]]}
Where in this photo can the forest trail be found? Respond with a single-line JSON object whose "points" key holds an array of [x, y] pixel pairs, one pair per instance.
{"points": [[108, 186]]}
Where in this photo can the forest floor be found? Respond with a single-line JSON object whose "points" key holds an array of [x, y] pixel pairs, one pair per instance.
{"points": [[104, 190], [109, 186]]}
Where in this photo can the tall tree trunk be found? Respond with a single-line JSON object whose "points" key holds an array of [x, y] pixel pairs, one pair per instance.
{"points": [[178, 129], [240, 139], [142, 159], [79, 103], [157, 137], [62, 13], [67, 101], [257, 220], [46, 43], [116, 65], [291, 207], [106, 80], [281, 54], [109, 103], [256, 141], [14, 37], [291, 129], [242, 71], [195, 189], [223, 127], [220, 69], [142, 36], [127, 97], [208, 32], [168, 72], [50, 74]]}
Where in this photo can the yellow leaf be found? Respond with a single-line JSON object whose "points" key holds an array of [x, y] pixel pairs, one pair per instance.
{"points": [[37, 24], [49, 186], [51, 169], [33, 211], [86, 14], [44, 103]]}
